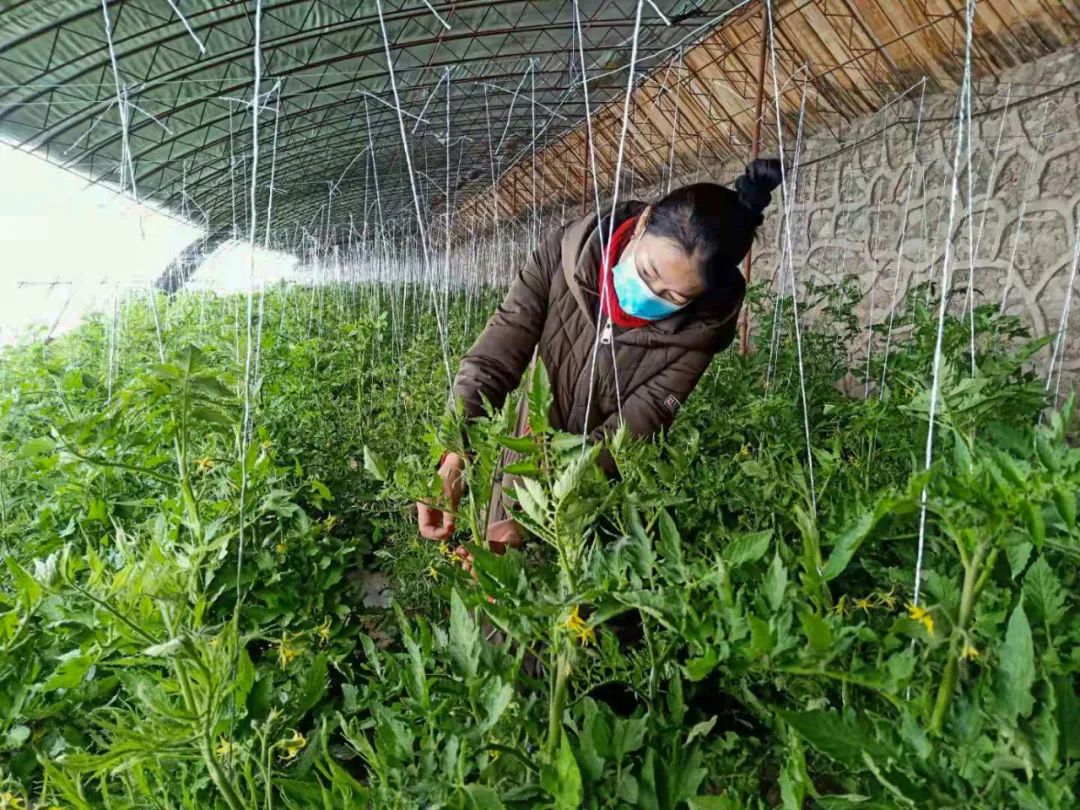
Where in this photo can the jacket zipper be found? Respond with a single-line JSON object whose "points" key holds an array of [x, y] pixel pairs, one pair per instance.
{"points": [[584, 379], [605, 336]]}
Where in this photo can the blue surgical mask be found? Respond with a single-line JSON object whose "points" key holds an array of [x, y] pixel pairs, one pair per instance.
{"points": [[634, 294]]}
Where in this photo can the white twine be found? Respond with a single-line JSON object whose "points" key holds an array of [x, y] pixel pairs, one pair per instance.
{"points": [[187, 25], [426, 257], [1023, 208], [935, 388], [901, 233], [1063, 323], [611, 220], [788, 249]]}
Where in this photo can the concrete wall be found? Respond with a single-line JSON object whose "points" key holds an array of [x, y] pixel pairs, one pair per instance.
{"points": [[853, 213]]}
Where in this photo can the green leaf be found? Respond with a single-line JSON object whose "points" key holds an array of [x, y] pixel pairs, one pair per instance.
{"points": [[464, 637], [1032, 515], [838, 738], [817, 631], [1065, 503], [245, 677], [165, 649], [519, 444], [776, 581], [212, 416], [211, 387], [562, 779], [701, 729], [495, 703], [29, 590], [16, 736], [72, 669], [481, 797], [314, 685], [628, 736], [33, 448], [848, 541], [698, 668], [1018, 551], [670, 541], [1044, 592], [1016, 671], [374, 465], [747, 548]]}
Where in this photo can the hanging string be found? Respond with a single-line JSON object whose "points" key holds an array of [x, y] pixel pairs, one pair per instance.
{"points": [[786, 259], [1032, 174], [425, 253], [935, 386], [788, 250], [245, 428], [1063, 324], [611, 222], [901, 233]]}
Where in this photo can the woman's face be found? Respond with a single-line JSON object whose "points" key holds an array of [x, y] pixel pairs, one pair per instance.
{"points": [[663, 265]]}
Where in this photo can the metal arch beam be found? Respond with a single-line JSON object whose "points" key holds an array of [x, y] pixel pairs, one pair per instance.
{"points": [[242, 54], [181, 34], [207, 125], [387, 130], [134, 128]]}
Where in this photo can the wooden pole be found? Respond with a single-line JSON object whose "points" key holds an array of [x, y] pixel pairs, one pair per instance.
{"points": [[755, 149]]}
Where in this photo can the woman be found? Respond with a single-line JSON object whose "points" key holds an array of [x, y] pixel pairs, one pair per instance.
{"points": [[668, 293]]}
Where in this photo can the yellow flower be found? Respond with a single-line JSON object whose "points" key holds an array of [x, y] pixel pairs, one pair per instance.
{"points": [[744, 451], [214, 641], [205, 464], [266, 445], [887, 599], [578, 627], [286, 650], [330, 522], [281, 548], [433, 572], [225, 750], [9, 801], [864, 603], [969, 653], [293, 746], [323, 630], [922, 615]]}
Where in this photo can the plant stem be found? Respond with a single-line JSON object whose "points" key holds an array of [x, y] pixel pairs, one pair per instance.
{"points": [[975, 577], [563, 663], [206, 745]]}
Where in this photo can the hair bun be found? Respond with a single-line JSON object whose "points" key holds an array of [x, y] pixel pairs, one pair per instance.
{"points": [[756, 185]]}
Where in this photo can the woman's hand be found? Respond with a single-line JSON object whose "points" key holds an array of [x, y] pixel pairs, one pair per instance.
{"points": [[501, 535], [437, 524]]}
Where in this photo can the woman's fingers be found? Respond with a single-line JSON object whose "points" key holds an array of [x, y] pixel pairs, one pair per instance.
{"points": [[466, 560], [433, 523], [504, 534]]}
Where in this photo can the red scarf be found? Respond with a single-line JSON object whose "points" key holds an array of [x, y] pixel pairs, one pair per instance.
{"points": [[609, 304]]}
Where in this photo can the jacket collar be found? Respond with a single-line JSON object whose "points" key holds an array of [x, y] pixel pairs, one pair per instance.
{"points": [[693, 327]]}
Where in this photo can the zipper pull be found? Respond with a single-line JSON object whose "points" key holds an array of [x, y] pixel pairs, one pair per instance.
{"points": [[605, 336]]}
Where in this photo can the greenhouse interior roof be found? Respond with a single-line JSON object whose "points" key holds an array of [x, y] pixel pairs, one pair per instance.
{"points": [[155, 96]]}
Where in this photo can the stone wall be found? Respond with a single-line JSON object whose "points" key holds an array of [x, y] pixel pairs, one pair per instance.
{"points": [[854, 214]]}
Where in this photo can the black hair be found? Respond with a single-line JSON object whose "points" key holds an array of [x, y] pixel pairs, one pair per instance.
{"points": [[717, 223]]}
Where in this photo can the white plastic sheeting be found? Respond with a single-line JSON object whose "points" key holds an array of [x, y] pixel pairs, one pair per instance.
{"points": [[68, 247]]}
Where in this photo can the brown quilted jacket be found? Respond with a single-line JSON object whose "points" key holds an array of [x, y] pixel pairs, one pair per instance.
{"points": [[554, 303]]}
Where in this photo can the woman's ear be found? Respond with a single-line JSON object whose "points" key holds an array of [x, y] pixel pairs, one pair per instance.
{"points": [[643, 221]]}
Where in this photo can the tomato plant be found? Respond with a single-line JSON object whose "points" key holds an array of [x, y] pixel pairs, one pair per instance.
{"points": [[214, 594]]}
